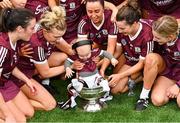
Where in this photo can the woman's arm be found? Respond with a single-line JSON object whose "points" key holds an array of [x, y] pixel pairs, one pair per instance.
{"points": [[52, 3], [134, 69], [114, 78], [110, 48], [114, 9], [64, 46], [17, 73], [46, 72], [122, 4]]}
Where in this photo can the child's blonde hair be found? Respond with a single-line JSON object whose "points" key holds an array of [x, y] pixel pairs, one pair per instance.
{"points": [[165, 26], [54, 19]]}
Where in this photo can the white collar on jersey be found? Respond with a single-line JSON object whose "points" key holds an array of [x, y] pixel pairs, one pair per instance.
{"points": [[171, 43], [98, 27], [137, 33], [12, 46]]}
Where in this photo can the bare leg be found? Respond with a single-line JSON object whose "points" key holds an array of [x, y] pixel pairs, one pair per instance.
{"points": [[159, 96], [5, 113], [154, 64], [178, 100], [42, 99], [121, 62], [23, 104], [121, 86], [20, 107], [57, 59]]}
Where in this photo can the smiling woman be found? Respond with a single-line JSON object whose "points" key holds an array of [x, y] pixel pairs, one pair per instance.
{"points": [[98, 27], [162, 70]]}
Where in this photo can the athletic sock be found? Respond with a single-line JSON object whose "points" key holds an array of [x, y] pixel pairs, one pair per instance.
{"points": [[144, 93], [45, 82]]}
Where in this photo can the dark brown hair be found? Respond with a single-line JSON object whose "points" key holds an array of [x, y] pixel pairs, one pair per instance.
{"points": [[10, 18], [130, 12], [101, 1]]}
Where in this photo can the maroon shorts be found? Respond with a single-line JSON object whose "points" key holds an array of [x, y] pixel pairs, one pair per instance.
{"points": [[172, 70], [9, 90], [130, 63]]}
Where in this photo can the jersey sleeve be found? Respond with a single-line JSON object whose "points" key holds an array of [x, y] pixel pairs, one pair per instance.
{"points": [[39, 55], [147, 47], [3, 55], [113, 30], [83, 29]]}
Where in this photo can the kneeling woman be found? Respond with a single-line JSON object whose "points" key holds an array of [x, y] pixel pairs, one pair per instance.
{"points": [[135, 42], [43, 44], [162, 71], [15, 25]]}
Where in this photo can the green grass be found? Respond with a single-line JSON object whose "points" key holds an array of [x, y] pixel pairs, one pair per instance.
{"points": [[120, 109]]}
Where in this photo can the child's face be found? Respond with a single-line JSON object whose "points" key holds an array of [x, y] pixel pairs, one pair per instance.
{"points": [[84, 52]]}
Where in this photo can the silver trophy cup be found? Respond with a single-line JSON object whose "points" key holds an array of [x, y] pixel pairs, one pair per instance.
{"points": [[91, 98]]}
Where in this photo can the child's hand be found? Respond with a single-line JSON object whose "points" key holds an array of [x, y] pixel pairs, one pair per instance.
{"points": [[114, 62], [69, 72]]}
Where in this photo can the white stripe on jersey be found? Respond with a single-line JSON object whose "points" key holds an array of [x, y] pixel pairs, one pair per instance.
{"points": [[38, 62], [112, 36], [41, 53], [81, 25], [82, 36], [150, 47], [3, 52], [1, 69], [115, 29]]}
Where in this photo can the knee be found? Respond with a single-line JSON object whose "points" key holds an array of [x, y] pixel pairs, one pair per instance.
{"points": [[29, 113], [157, 100], [150, 61], [21, 118], [178, 101], [50, 105], [116, 90]]}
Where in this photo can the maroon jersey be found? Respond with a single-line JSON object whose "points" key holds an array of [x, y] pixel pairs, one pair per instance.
{"points": [[116, 2], [48, 48], [138, 46], [8, 57], [158, 8], [171, 55], [26, 65], [74, 12], [37, 6], [90, 65], [98, 34]]}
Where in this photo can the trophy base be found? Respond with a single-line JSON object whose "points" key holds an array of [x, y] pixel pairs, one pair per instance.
{"points": [[94, 106]]}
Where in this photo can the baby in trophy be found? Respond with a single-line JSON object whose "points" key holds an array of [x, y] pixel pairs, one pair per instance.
{"points": [[88, 76]]}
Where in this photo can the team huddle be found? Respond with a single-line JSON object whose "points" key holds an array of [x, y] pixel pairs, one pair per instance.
{"points": [[80, 39]]}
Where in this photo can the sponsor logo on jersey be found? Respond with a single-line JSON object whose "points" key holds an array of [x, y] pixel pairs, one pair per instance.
{"points": [[72, 5], [40, 9], [137, 49], [105, 32], [176, 53], [123, 41]]}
